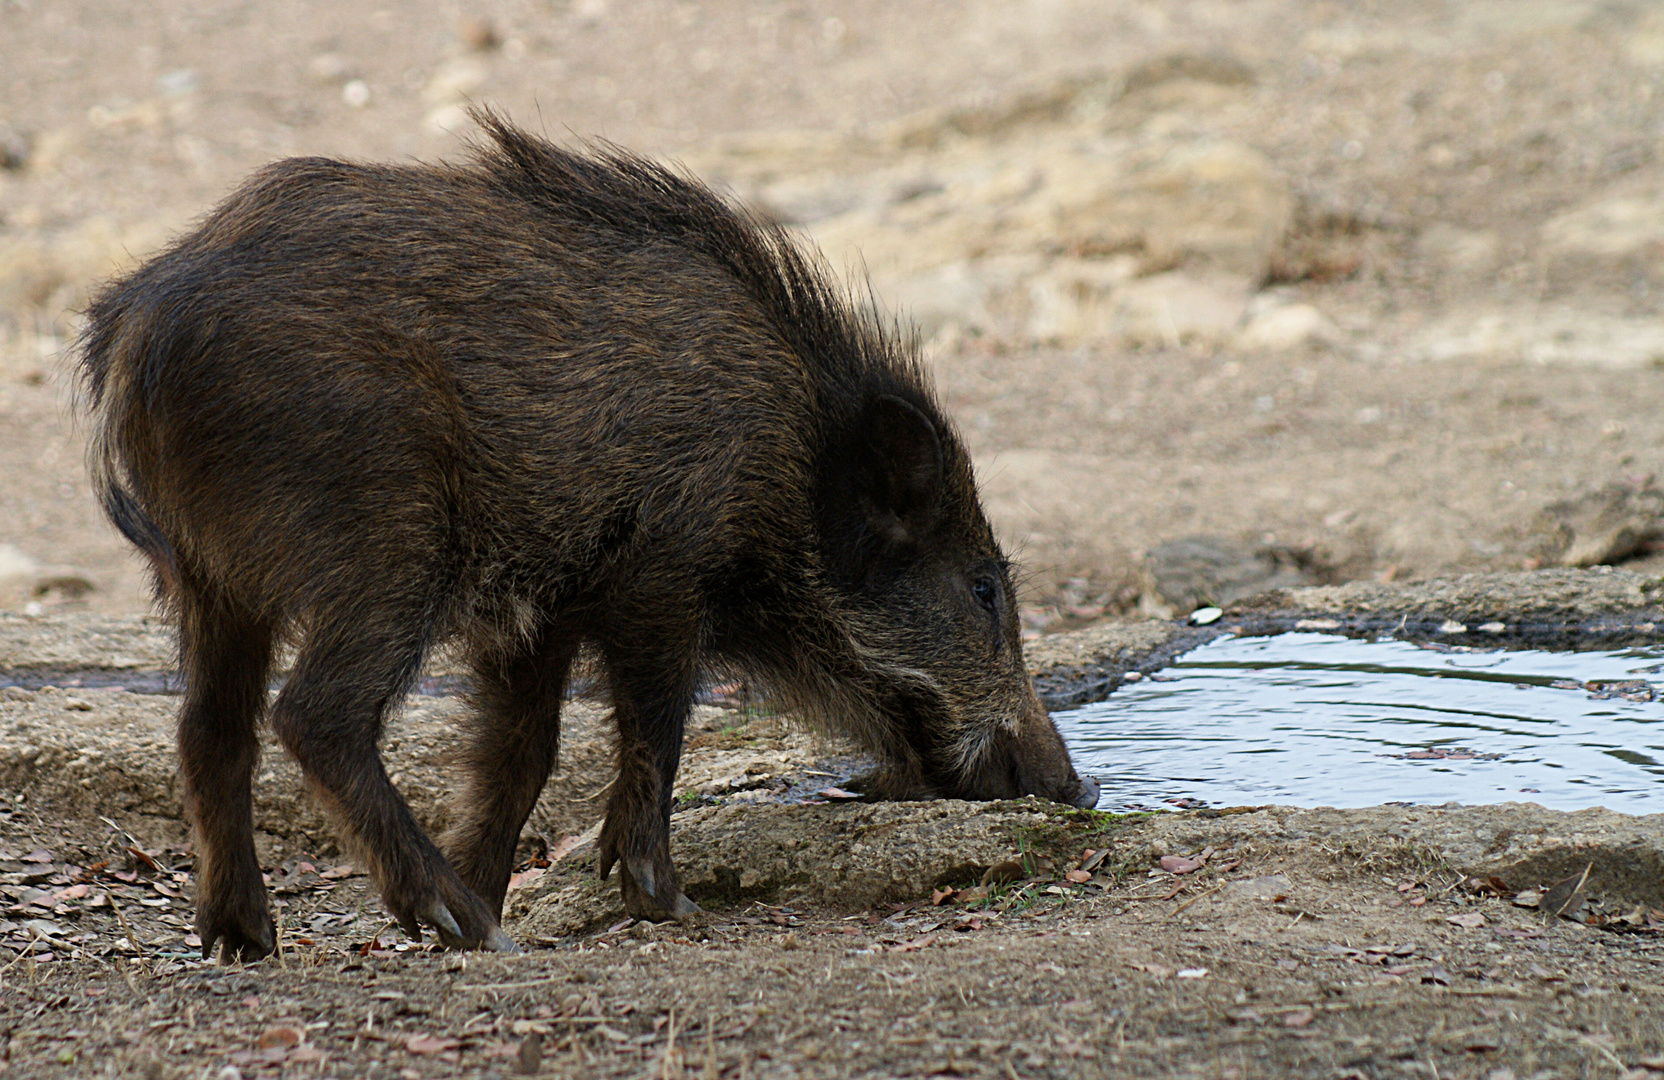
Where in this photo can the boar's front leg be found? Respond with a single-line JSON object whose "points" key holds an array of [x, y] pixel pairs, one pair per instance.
{"points": [[226, 654], [511, 750], [329, 715], [651, 703]]}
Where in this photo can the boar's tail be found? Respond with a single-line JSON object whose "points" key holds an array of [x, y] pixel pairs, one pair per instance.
{"points": [[106, 390], [129, 518]]}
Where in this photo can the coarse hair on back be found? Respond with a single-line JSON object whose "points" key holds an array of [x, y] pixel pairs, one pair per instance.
{"points": [[610, 188]]}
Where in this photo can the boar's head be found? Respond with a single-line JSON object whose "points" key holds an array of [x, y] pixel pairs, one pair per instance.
{"points": [[948, 704]]}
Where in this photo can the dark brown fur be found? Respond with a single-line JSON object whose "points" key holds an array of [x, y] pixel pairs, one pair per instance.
{"points": [[543, 401]]}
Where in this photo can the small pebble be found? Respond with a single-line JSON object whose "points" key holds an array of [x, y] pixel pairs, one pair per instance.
{"points": [[1204, 616], [479, 35]]}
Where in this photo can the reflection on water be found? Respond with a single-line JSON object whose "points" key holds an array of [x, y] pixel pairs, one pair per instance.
{"points": [[1316, 720]]}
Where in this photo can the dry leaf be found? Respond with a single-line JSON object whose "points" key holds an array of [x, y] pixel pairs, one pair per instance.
{"points": [[430, 1044], [1008, 872], [1566, 898], [529, 1058], [1471, 920], [144, 857], [564, 847], [525, 877], [837, 793], [1178, 864], [915, 945], [279, 1037], [937, 896]]}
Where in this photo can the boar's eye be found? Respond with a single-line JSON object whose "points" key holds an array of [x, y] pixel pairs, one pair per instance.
{"points": [[987, 593]]}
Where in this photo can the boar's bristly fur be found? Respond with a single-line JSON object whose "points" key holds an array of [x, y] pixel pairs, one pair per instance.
{"points": [[539, 402]]}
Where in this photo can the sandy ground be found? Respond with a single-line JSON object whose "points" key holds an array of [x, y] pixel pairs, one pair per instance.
{"points": [[1357, 292], [1367, 288]]}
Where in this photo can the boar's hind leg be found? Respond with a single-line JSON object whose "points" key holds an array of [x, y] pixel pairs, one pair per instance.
{"points": [[651, 709], [329, 715], [510, 753], [226, 657]]}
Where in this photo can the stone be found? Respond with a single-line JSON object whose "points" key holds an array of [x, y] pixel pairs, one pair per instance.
{"points": [[1608, 227], [1218, 200], [1284, 327], [1458, 248], [20, 572], [14, 148], [455, 81], [14, 563], [1559, 608], [1601, 527], [1541, 334], [479, 35], [330, 69], [1175, 309], [1211, 571]]}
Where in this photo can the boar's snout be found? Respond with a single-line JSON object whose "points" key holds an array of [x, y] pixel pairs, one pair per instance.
{"points": [[1032, 760]]}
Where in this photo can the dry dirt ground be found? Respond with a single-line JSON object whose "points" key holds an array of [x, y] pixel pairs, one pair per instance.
{"points": [[937, 939], [1352, 291]]}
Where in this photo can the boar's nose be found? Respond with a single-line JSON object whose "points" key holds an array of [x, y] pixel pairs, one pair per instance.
{"points": [[1087, 797]]}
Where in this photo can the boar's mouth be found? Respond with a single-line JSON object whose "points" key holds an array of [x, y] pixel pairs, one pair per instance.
{"points": [[999, 760], [901, 784], [1031, 761]]}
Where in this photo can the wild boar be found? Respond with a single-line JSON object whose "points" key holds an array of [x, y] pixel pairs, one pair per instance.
{"points": [[542, 401]]}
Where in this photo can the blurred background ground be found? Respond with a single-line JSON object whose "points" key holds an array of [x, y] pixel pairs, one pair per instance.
{"points": [[1222, 293]]}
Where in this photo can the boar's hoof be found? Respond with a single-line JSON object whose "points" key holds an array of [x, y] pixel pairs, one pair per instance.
{"points": [[438, 916], [1087, 797], [452, 936], [645, 893], [236, 942]]}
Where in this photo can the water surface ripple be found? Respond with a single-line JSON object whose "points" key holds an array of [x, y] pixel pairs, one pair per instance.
{"points": [[1318, 720]]}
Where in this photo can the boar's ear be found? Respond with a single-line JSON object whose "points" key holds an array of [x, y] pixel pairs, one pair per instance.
{"points": [[903, 469]]}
